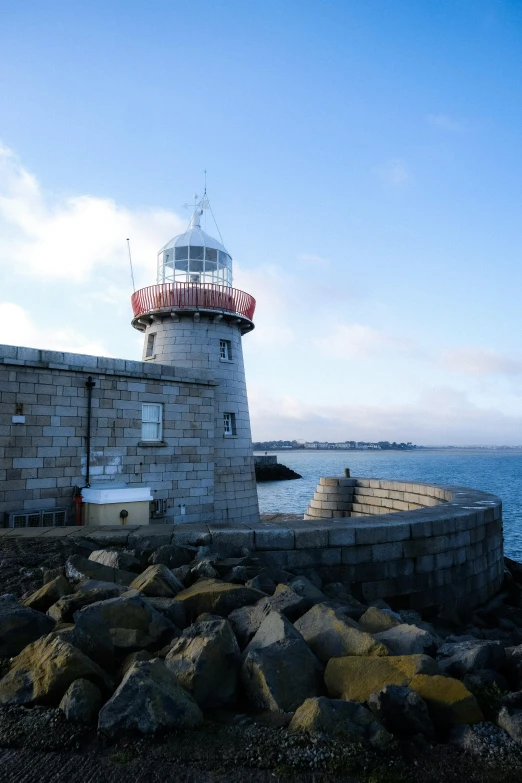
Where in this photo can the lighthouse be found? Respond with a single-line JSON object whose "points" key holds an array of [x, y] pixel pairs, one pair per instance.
{"points": [[193, 317]]}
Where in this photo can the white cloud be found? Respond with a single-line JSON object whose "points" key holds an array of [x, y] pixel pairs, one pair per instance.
{"points": [[72, 237], [394, 173], [356, 341], [314, 260], [17, 328], [445, 122], [482, 362]]}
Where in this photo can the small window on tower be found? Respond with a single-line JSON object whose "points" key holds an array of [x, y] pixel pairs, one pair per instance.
{"points": [[151, 344], [229, 424], [225, 350], [151, 421]]}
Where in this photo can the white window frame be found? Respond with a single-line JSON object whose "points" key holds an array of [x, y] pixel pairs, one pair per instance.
{"points": [[229, 424], [152, 413], [225, 350], [151, 345]]}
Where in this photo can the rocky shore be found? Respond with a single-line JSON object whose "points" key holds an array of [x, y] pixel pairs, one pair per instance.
{"points": [[179, 663]]}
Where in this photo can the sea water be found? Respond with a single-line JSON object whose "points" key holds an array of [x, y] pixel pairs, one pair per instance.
{"points": [[499, 472]]}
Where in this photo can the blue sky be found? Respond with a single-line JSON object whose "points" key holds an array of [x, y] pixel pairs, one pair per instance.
{"points": [[364, 167]]}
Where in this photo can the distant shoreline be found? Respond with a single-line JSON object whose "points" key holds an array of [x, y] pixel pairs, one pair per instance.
{"points": [[419, 449]]}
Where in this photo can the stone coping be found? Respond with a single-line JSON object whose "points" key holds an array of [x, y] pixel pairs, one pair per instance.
{"points": [[462, 509], [101, 365]]}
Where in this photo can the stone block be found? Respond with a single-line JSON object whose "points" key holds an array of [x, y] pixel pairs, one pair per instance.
{"points": [[381, 553], [371, 533], [271, 536]]}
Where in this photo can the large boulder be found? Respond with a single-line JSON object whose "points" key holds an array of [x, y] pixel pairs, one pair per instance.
{"points": [[407, 640], [304, 587], [262, 582], [402, 711], [48, 594], [205, 660], [19, 626], [92, 636], [355, 678], [78, 568], [132, 621], [82, 702], [331, 634], [42, 673], [216, 597], [376, 620], [511, 721], [148, 700], [464, 657], [281, 676], [274, 628], [448, 699], [172, 609], [247, 619], [173, 556], [337, 718], [65, 608], [122, 559], [157, 581]]}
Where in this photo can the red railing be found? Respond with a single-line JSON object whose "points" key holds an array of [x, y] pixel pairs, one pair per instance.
{"points": [[192, 295]]}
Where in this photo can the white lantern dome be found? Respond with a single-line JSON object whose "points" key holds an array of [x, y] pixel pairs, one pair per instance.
{"points": [[195, 257]]}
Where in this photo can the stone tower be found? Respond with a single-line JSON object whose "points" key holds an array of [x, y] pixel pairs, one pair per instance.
{"points": [[193, 318]]}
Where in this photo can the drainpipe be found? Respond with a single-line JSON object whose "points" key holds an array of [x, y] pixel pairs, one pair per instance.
{"points": [[90, 384]]}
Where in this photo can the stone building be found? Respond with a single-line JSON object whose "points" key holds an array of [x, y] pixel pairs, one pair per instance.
{"points": [[176, 422]]}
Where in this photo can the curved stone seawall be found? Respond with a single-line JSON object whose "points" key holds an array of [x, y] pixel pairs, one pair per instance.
{"points": [[440, 547], [418, 545]]}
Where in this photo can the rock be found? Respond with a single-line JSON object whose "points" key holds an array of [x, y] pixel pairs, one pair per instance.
{"points": [[402, 711], [376, 620], [355, 678], [64, 609], [216, 597], [78, 568], [447, 699], [183, 574], [485, 678], [121, 559], [281, 676], [514, 568], [173, 556], [42, 673], [407, 640], [337, 718], [239, 575], [288, 602], [205, 660], [48, 594], [170, 608], [203, 569], [263, 583], [92, 637], [511, 721], [48, 574], [131, 659], [148, 700], [467, 656], [19, 626], [331, 634], [274, 628], [157, 581], [82, 702], [304, 587], [336, 591], [131, 620]]}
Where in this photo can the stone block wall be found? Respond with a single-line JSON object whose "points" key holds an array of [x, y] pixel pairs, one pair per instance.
{"points": [[43, 458], [352, 497]]}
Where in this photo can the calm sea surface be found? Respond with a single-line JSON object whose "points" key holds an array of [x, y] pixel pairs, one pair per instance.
{"points": [[499, 472]]}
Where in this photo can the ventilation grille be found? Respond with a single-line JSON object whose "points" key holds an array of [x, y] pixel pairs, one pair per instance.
{"points": [[53, 517]]}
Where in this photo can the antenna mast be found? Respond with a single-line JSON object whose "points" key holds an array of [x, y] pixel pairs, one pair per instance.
{"points": [[130, 264]]}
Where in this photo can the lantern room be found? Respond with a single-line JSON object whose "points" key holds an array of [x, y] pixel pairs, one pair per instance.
{"points": [[194, 257]]}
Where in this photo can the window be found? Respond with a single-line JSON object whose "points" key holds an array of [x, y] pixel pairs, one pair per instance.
{"points": [[151, 342], [225, 350], [210, 254], [181, 253], [151, 421], [229, 424], [196, 252]]}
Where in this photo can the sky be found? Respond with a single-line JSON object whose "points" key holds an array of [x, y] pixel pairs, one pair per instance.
{"points": [[364, 167]]}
